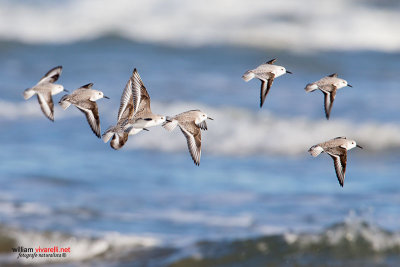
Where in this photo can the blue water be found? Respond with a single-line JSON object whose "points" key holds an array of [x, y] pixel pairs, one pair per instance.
{"points": [[58, 177], [258, 198]]}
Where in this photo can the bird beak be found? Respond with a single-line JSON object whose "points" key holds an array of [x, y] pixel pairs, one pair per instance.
{"points": [[65, 90], [168, 120], [289, 72], [359, 146], [210, 118], [106, 97], [349, 85]]}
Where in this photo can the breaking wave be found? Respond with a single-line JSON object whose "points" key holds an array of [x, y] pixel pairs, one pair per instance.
{"points": [[110, 246], [291, 24], [236, 131], [241, 132], [353, 242]]}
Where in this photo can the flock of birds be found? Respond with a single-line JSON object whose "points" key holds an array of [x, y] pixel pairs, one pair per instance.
{"points": [[135, 115]]}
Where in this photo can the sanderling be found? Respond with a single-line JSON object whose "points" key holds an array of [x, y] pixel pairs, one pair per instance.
{"points": [[190, 123], [44, 89], [142, 117], [84, 99], [266, 73], [125, 112], [328, 85], [337, 149]]}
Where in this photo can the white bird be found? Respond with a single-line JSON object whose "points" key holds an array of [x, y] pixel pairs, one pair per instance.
{"points": [[337, 149], [190, 123], [44, 89], [143, 117], [266, 73], [84, 99], [126, 112], [328, 85]]}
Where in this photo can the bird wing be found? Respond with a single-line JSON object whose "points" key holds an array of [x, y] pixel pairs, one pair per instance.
{"points": [[265, 86], [92, 115], [86, 86], [272, 61], [339, 156], [193, 138], [141, 98], [329, 98], [46, 104], [126, 104], [202, 125], [51, 76]]}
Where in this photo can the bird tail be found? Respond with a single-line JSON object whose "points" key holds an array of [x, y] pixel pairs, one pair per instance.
{"points": [[315, 150], [170, 125], [311, 87], [28, 93], [248, 76], [64, 103]]}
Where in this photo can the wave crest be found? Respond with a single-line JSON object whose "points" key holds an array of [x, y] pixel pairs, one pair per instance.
{"points": [[289, 25], [240, 132]]}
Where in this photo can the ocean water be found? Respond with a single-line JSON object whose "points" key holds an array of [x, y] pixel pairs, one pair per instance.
{"points": [[258, 198]]}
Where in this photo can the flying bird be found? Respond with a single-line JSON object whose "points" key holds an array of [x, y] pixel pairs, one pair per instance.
{"points": [[84, 99], [336, 148], [125, 112], [328, 85], [190, 123], [143, 117], [44, 89], [266, 73]]}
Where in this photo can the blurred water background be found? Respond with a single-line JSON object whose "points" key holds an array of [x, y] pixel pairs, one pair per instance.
{"points": [[257, 198]]}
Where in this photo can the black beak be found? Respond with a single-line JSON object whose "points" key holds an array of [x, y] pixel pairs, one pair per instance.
{"points": [[106, 97], [146, 129], [210, 118], [349, 85], [168, 120], [65, 90], [289, 72], [359, 146]]}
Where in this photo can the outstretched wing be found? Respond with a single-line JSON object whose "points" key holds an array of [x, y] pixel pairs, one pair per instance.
{"points": [[46, 104], [52, 75], [339, 156], [265, 86], [193, 138], [329, 97], [91, 112], [126, 104], [141, 99]]}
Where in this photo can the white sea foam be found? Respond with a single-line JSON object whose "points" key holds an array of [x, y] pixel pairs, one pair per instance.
{"points": [[238, 132], [291, 24], [110, 245], [190, 217], [352, 229], [27, 109]]}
